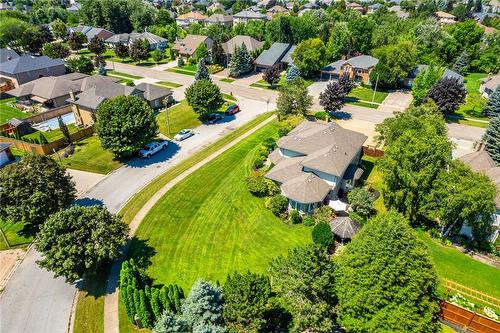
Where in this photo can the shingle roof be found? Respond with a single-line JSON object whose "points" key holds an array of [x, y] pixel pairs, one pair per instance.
{"points": [[442, 14], [273, 55], [491, 82], [287, 59], [220, 18], [46, 87], [286, 170], [152, 92], [190, 43], [6, 54], [251, 43], [306, 188], [93, 97], [363, 61], [191, 16], [248, 14], [344, 227], [151, 38], [28, 63]]}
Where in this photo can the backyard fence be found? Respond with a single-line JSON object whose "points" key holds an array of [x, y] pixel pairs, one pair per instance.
{"points": [[372, 151], [467, 320], [48, 148], [471, 293]]}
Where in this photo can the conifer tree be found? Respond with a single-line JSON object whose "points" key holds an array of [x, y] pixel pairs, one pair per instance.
{"points": [[64, 129], [462, 64], [202, 71], [491, 139], [492, 108], [292, 74]]}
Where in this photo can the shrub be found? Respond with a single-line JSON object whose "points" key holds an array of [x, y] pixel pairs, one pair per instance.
{"points": [[258, 163], [308, 221], [180, 62], [269, 143], [277, 204], [322, 234], [321, 115], [260, 186], [361, 202], [294, 217], [323, 214], [356, 217], [283, 130], [212, 69]]}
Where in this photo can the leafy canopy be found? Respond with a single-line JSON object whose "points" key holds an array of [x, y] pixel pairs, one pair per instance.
{"points": [[204, 97]]}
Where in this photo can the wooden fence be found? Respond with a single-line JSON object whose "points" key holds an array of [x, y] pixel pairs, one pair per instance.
{"points": [[372, 151], [471, 293], [47, 149], [468, 320]]}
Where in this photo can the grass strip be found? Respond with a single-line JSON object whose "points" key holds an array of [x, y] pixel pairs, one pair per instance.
{"points": [[227, 80], [123, 75], [169, 84]]}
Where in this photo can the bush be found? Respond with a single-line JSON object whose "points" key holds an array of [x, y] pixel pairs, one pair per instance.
{"points": [[356, 217], [294, 217], [180, 62], [361, 202], [277, 204], [260, 186], [321, 115], [258, 163], [283, 130], [269, 143], [212, 69], [308, 221], [322, 234], [323, 214]]}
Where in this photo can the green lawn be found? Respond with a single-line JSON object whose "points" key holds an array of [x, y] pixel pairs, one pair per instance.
{"points": [[282, 82], [113, 73], [366, 95], [169, 84], [110, 55], [89, 314], [363, 104], [11, 232], [90, 156], [217, 226], [452, 264], [51, 135], [227, 80], [8, 111], [373, 177], [474, 102], [181, 116]]}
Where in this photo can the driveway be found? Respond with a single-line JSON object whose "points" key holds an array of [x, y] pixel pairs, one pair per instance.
{"points": [[33, 301], [396, 101]]}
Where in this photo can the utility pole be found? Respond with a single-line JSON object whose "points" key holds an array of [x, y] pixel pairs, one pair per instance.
{"points": [[374, 91], [167, 116]]}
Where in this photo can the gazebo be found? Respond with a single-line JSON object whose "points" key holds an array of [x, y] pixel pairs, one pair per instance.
{"points": [[344, 227]]}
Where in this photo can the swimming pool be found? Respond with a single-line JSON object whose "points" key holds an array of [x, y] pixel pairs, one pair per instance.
{"points": [[53, 123]]}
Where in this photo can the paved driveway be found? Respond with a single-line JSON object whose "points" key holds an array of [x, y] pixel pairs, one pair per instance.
{"points": [[33, 301]]}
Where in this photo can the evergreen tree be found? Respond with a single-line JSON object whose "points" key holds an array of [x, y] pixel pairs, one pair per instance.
{"points": [[462, 64], [491, 139], [202, 71], [64, 129], [203, 307], [332, 99], [241, 61], [218, 56], [492, 108], [292, 74]]}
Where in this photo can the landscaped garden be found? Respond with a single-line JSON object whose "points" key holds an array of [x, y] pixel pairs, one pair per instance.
{"points": [[474, 102], [363, 96], [90, 156], [110, 55], [217, 226], [8, 111]]}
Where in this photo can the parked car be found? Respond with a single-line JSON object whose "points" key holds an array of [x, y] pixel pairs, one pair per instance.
{"points": [[152, 148], [214, 118], [183, 134], [232, 109]]}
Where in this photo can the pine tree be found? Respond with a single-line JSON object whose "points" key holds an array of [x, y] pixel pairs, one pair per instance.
{"points": [[246, 59], [462, 64], [292, 74], [202, 72], [145, 310], [492, 108], [218, 54], [332, 99], [241, 61], [491, 139], [137, 302], [64, 129]]}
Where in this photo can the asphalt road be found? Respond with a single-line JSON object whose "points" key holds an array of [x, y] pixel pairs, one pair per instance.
{"points": [[33, 301]]}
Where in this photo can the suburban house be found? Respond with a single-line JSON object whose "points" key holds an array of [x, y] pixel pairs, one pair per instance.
{"points": [[186, 47], [372, 8], [276, 10], [445, 18], [85, 104], [74, 7], [26, 68], [489, 85], [91, 32], [192, 17], [251, 44], [481, 162], [314, 162], [5, 154], [221, 19], [216, 6], [399, 12], [279, 54], [54, 91], [447, 73], [355, 6], [246, 16], [356, 68], [155, 42]]}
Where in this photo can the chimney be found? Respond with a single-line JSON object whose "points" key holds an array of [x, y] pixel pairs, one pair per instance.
{"points": [[72, 96]]}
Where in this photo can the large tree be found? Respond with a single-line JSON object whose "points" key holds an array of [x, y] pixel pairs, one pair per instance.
{"points": [[272, 75], [33, 189], [246, 298], [202, 309], [448, 93], [79, 240], [241, 61], [96, 45], [55, 50], [395, 283], [204, 97], [309, 56], [80, 65], [492, 107], [414, 155], [305, 281], [294, 98], [491, 139], [59, 29], [121, 51], [461, 196], [423, 82], [332, 98], [139, 50], [76, 40], [125, 124]]}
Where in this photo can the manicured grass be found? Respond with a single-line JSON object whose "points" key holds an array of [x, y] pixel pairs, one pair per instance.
{"points": [[110, 55], [447, 329], [126, 82], [13, 236], [90, 156], [51, 135], [363, 104], [181, 116], [474, 102], [366, 94], [125, 75], [180, 71], [8, 111], [217, 226], [169, 84], [467, 122], [452, 264], [89, 316], [373, 177], [227, 80], [228, 97]]}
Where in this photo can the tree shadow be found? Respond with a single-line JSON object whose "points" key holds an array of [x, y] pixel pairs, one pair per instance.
{"points": [[88, 202], [278, 319], [141, 252], [341, 115], [94, 285]]}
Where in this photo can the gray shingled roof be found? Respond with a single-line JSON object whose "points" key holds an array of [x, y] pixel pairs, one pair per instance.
{"points": [[363, 61], [248, 14], [28, 63], [273, 55], [6, 54], [152, 92], [219, 18], [251, 43], [344, 227], [46, 87], [306, 188], [287, 169], [101, 91]]}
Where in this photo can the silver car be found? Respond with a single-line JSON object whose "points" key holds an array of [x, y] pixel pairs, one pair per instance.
{"points": [[152, 148], [183, 134]]}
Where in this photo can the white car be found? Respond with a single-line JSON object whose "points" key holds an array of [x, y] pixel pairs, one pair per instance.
{"points": [[152, 148], [183, 134]]}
